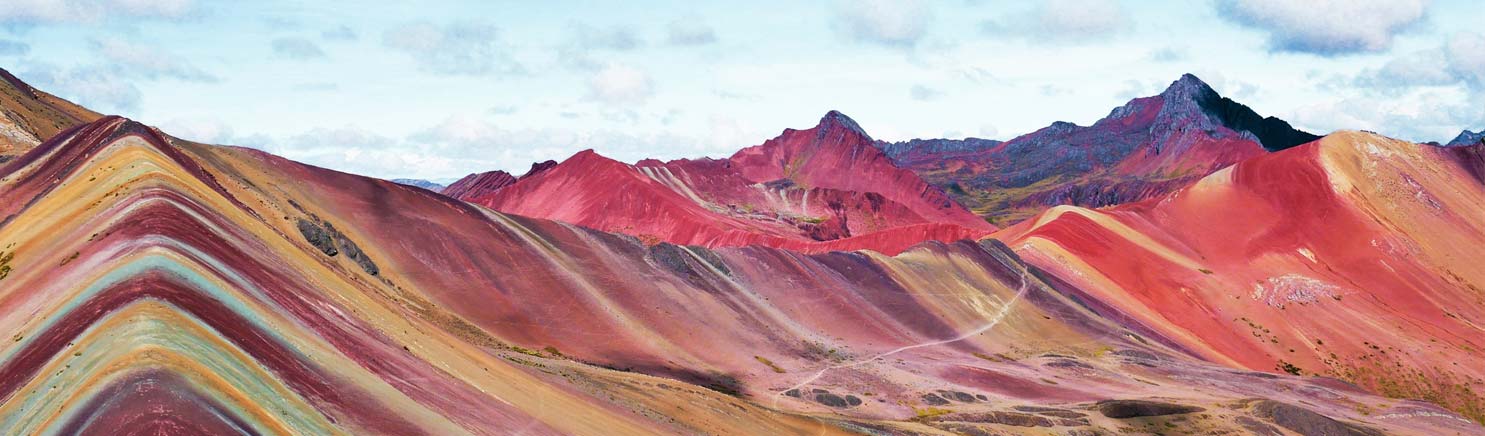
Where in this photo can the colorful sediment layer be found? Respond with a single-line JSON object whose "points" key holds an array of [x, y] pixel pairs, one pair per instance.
{"points": [[156, 286]]}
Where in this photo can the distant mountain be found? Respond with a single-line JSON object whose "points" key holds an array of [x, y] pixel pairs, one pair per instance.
{"points": [[823, 188], [921, 151], [419, 183], [1468, 138], [1147, 147]]}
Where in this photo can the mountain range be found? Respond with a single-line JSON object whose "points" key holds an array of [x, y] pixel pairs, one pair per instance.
{"points": [[154, 285], [1145, 148]]}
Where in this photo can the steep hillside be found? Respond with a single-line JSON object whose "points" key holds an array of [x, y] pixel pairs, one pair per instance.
{"points": [[1146, 148], [29, 116], [1354, 257]]}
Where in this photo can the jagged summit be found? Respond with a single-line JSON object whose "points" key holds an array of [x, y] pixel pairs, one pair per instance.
{"points": [[1189, 87], [1189, 97], [1468, 138], [836, 121]]}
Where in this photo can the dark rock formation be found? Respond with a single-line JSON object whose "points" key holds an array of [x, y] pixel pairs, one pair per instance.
{"points": [[330, 241], [1123, 409], [317, 236], [934, 400]]}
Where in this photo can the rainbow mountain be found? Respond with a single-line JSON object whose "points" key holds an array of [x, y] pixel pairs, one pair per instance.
{"points": [[153, 285]]}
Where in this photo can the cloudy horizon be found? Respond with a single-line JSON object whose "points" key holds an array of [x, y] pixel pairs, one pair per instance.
{"points": [[413, 91]]}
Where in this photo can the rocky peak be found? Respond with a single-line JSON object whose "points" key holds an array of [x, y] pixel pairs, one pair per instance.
{"points": [[835, 122], [1468, 138]]}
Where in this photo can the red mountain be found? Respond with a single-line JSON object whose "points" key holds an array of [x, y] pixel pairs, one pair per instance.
{"points": [[1148, 147], [819, 189], [1354, 257]]}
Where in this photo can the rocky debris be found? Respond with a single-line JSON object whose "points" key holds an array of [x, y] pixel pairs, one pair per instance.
{"points": [[1124, 409], [934, 400], [829, 399], [1067, 364], [324, 236], [958, 396], [1306, 422], [318, 237], [1137, 354]]}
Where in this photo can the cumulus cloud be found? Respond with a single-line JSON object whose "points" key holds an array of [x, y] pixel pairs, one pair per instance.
{"points": [[924, 93], [586, 43], [1326, 27], [13, 48], [1418, 116], [1168, 54], [203, 130], [297, 49], [449, 149], [87, 11], [1062, 21], [339, 33], [894, 23], [1459, 61], [620, 84], [94, 87], [462, 48], [130, 59], [107, 84], [1466, 53], [691, 32]]}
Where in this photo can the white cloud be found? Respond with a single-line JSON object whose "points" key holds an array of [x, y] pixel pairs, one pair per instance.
{"points": [[897, 23], [1458, 61], [203, 130], [620, 84], [463, 48], [297, 48], [988, 131], [586, 42], [88, 11], [138, 60], [1062, 21], [94, 87], [1326, 27], [691, 32], [1417, 116], [924, 93], [457, 146], [340, 33], [1466, 53]]}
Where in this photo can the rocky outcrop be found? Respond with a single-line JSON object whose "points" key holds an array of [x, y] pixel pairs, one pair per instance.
{"points": [[1124, 409]]}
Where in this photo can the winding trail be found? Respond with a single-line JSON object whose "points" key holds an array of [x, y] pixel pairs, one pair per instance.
{"points": [[991, 323]]}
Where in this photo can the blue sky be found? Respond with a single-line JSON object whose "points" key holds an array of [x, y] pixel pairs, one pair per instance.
{"points": [[436, 90]]}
